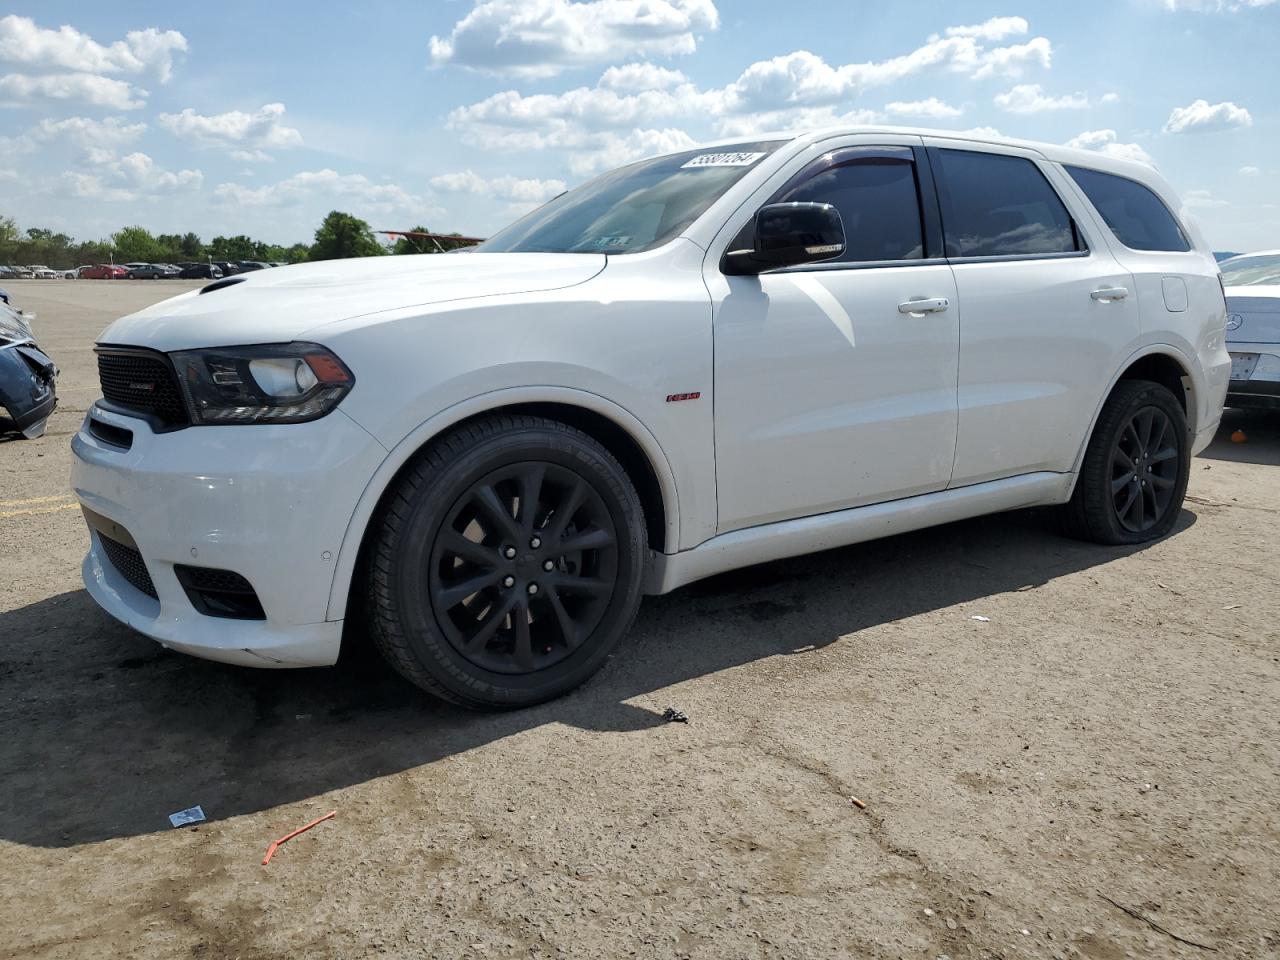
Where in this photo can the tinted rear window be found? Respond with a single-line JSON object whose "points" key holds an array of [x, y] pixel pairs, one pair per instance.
{"points": [[1137, 217], [999, 206]]}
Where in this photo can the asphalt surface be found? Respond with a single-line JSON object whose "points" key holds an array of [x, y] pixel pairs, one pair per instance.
{"points": [[1090, 772]]}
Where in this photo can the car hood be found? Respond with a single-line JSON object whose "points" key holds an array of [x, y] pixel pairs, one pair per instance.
{"points": [[1253, 314], [281, 304]]}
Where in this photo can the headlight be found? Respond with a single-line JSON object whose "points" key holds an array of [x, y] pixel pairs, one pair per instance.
{"points": [[272, 383]]}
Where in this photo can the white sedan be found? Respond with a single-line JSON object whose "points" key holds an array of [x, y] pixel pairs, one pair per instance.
{"points": [[697, 362], [1252, 283]]}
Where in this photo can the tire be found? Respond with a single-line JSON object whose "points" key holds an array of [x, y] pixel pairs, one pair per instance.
{"points": [[1135, 469], [457, 565]]}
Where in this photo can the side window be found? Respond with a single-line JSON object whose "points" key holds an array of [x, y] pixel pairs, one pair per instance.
{"points": [[999, 206], [875, 190], [1137, 217]]}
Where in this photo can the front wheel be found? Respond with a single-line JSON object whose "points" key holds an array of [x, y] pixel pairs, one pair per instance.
{"points": [[1135, 469], [507, 563]]}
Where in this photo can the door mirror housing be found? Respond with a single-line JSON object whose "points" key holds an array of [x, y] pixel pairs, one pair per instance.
{"points": [[786, 235]]}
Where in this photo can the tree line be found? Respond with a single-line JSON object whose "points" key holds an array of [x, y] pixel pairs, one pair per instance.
{"points": [[340, 235]]}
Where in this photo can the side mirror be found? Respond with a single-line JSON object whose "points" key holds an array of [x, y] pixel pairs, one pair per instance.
{"points": [[788, 234]]}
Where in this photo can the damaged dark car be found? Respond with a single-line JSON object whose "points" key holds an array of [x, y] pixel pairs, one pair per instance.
{"points": [[28, 392]]}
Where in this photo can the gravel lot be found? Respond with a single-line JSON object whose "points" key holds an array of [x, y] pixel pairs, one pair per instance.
{"points": [[1111, 732]]}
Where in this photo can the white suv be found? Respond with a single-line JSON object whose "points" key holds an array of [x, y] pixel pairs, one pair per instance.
{"points": [[690, 364]]}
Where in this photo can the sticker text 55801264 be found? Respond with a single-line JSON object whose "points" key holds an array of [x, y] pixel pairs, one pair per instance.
{"points": [[723, 160]]}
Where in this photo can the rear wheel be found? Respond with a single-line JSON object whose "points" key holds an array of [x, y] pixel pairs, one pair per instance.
{"points": [[507, 563], [1135, 470]]}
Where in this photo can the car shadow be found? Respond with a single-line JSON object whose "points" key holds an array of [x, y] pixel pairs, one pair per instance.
{"points": [[1261, 443], [105, 733]]}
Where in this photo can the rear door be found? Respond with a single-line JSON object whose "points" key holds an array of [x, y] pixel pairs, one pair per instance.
{"points": [[1045, 310]]}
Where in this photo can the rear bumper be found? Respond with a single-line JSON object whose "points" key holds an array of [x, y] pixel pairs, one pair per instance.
{"points": [[1261, 388], [268, 502]]}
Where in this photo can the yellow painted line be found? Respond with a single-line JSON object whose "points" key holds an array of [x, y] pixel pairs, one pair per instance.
{"points": [[23, 503], [7, 514]]}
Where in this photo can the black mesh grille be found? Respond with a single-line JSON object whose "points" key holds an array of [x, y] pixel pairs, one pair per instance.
{"points": [[130, 564], [144, 382], [219, 593]]}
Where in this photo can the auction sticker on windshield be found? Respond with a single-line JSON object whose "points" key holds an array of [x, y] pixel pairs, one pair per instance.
{"points": [[723, 160]]}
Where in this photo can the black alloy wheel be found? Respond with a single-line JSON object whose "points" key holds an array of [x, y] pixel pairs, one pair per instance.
{"points": [[1136, 464], [1144, 470], [506, 562], [523, 567]]}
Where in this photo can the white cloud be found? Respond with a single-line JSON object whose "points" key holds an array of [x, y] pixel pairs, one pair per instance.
{"points": [[1201, 199], [250, 134], [984, 133], [1029, 98], [997, 28], [1202, 117], [540, 38], [932, 108], [84, 132], [503, 188], [22, 90], [66, 48], [798, 89], [128, 178], [323, 184], [1216, 6], [1110, 98], [1012, 61], [641, 76], [611, 150], [1105, 142], [1248, 171]]}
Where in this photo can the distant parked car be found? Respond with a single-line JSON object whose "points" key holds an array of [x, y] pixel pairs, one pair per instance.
{"points": [[228, 267], [151, 271], [247, 265], [104, 271], [41, 272], [20, 272], [199, 271], [1252, 283], [27, 391], [6, 273]]}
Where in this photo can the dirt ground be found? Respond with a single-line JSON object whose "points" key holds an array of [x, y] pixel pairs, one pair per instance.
{"points": [[1106, 743]]}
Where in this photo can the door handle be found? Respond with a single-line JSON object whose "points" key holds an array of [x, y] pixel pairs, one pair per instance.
{"points": [[1110, 294], [919, 306]]}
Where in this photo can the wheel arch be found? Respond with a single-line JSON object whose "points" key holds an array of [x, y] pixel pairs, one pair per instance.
{"points": [[618, 430], [1159, 363]]}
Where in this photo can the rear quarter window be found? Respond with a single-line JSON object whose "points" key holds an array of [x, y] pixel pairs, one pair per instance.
{"points": [[1138, 218]]}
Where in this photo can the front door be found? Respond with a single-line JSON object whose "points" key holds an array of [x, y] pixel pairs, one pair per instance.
{"points": [[832, 387]]}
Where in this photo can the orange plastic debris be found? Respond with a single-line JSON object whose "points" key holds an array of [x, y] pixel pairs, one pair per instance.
{"points": [[1239, 437], [271, 850]]}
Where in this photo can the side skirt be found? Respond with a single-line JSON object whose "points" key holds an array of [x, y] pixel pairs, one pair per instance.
{"points": [[792, 538]]}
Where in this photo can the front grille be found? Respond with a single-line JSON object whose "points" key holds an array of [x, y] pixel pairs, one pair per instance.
{"points": [[129, 563], [143, 381]]}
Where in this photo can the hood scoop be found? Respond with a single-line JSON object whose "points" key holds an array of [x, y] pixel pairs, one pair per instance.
{"points": [[219, 284]]}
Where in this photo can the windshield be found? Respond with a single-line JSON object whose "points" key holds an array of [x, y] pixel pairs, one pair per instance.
{"points": [[633, 208], [1251, 270]]}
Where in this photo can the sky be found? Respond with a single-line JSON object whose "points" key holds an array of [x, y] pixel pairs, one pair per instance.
{"points": [[462, 114]]}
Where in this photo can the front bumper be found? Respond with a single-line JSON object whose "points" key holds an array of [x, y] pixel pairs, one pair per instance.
{"points": [[1258, 386], [269, 502]]}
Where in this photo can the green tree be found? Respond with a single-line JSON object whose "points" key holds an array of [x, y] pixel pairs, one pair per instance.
{"points": [[298, 253], [134, 244], [191, 247], [9, 234], [238, 247], [341, 235]]}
